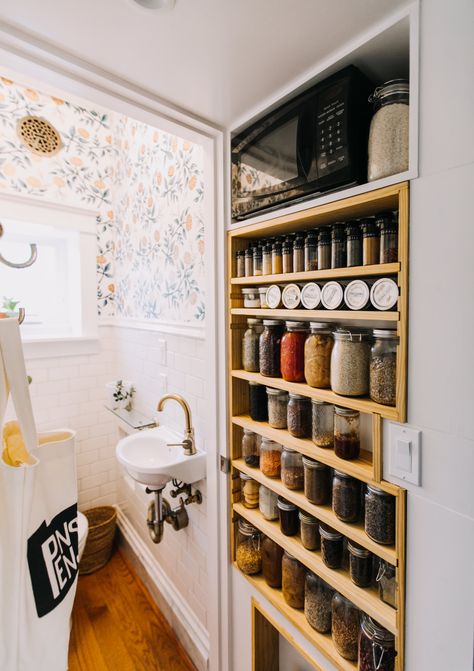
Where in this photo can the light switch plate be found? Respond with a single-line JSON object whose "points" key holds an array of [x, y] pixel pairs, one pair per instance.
{"points": [[405, 453]]}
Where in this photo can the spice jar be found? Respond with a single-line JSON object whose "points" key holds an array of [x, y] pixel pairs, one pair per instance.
{"points": [[291, 296], [379, 515], [269, 348], [346, 497], [332, 295], [332, 546], [354, 244], [383, 367], [267, 258], [387, 583], [298, 253], [249, 552], [318, 603], [240, 263], [388, 134], [357, 295], [324, 249], [287, 254], [258, 402], [273, 297], [311, 296], [272, 555], [299, 416], [350, 363], [251, 297], [384, 294], [338, 246], [250, 346], [277, 258], [270, 458], [249, 490], [323, 423], [292, 473], [267, 503], [248, 261], [317, 355], [346, 433], [376, 647], [277, 405], [292, 352], [370, 242], [257, 261], [360, 564], [250, 452], [288, 514], [317, 482], [311, 251], [345, 626], [293, 576], [309, 531], [388, 227]]}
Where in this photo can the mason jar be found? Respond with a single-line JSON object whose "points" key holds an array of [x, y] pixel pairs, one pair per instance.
{"points": [[250, 451], [250, 346], [270, 458], [360, 565], [269, 348], [350, 363], [272, 555], [277, 408], [292, 352], [311, 251], [309, 531], [258, 402], [317, 355], [249, 490], [318, 603], [289, 520], [376, 647], [267, 503], [383, 367], [292, 473], [322, 423], [346, 433], [293, 580], [248, 548], [354, 244], [379, 515], [332, 546], [317, 482], [299, 418], [324, 249], [346, 497], [345, 626], [388, 226]]}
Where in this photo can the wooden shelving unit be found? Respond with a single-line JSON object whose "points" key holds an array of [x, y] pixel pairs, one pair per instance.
{"points": [[369, 467]]}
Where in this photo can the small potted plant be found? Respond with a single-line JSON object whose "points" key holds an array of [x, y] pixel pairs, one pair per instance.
{"points": [[120, 395], [9, 307]]}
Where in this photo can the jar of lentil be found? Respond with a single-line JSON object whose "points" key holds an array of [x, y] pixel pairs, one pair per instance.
{"points": [[293, 576], [324, 249], [287, 254], [292, 352], [360, 565], [250, 452], [317, 355], [311, 251], [387, 583], [249, 491], [345, 627], [346, 497], [249, 550], [269, 348], [292, 473], [299, 416], [354, 244], [250, 346], [332, 546], [370, 242], [298, 253], [323, 423], [267, 258], [240, 263], [376, 647], [270, 458], [289, 520], [268, 503], [383, 367], [318, 603], [338, 246], [379, 515], [309, 531], [317, 482], [257, 261], [346, 433], [258, 402], [277, 259], [248, 262], [277, 407], [350, 363], [272, 555], [388, 227]]}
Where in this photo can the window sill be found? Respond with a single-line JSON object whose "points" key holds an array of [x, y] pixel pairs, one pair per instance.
{"points": [[49, 348]]}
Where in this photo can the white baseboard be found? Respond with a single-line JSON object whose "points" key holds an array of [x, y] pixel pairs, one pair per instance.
{"points": [[188, 629]]}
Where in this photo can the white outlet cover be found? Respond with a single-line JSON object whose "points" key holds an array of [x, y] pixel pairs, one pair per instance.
{"points": [[405, 453]]}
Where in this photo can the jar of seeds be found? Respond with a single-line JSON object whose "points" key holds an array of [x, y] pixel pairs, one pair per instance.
{"points": [[270, 458], [250, 357], [249, 551], [292, 469], [379, 515], [269, 348], [345, 627], [332, 546], [272, 555], [293, 581], [317, 482], [249, 491], [277, 408], [258, 402], [317, 355], [350, 363], [346, 497], [387, 582], [250, 451], [376, 647], [346, 433], [299, 416], [383, 367], [322, 423], [318, 603], [267, 503], [360, 565], [309, 531]]}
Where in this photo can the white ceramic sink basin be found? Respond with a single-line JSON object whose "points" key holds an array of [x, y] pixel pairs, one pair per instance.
{"points": [[147, 458]]}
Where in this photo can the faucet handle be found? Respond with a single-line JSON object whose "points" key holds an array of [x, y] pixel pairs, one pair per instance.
{"points": [[187, 444]]}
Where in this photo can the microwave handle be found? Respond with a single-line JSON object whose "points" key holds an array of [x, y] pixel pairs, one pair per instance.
{"points": [[304, 148]]}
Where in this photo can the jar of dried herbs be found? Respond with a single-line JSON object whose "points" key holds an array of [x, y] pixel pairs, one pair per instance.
{"points": [[299, 416], [379, 515], [272, 555], [292, 473], [387, 582], [277, 408], [249, 550], [370, 242], [311, 251], [346, 497], [269, 348], [250, 346], [309, 531], [376, 647], [292, 351], [338, 246], [388, 227], [317, 355], [268, 503], [360, 565], [249, 491], [258, 402], [345, 627], [323, 423], [350, 363], [270, 458], [293, 576], [318, 603], [383, 367], [346, 433], [289, 520], [250, 452], [332, 546], [317, 482], [324, 249]]}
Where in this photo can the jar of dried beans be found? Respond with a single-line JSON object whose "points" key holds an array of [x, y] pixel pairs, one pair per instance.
{"points": [[323, 423], [345, 626], [277, 407], [249, 550], [350, 363], [292, 472], [317, 355], [317, 482], [272, 555], [379, 515], [332, 546], [270, 458], [346, 433], [299, 416], [289, 520], [293, 581], [292, 352], [249, 490], [268, 503], [376, 647], [360, 565], [346, 497], [383, 367], [318, 603], [250, 451], [309, 531], [250, 358], [269, 348]]}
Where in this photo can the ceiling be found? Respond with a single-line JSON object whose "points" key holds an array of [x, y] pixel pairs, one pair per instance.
{"points": [[216, 58]]}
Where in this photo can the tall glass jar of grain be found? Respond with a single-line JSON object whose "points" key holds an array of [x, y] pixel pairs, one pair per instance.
{"points": [[250, 347], [350, 363], [248, 552]]}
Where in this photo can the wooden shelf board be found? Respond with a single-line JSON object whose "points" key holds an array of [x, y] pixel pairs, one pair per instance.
{"points": [[315, 275], [325, 514], [319, 315], [366, 599]]}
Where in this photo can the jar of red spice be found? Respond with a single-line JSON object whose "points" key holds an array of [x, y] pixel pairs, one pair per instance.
{"points": [[292, 352]]}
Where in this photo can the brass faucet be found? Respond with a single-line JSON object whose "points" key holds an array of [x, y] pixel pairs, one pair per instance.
{"points": [[188, 440]]}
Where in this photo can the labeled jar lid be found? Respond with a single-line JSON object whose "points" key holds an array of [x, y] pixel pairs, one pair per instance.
{"points": [[345, 412], [357, 295], [276, 392], [329, 533], [354, 336], [321, 327], [296, 326], [376, 633], [291, 296], [357, 550], [312, 463], [385, 333], [311, 295], [332, 295], [384, 294], [306, 518], [272, 322], [273, 296], [283, 504]]}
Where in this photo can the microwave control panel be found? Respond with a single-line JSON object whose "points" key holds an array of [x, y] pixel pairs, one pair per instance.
{"points": [[332, 148]]}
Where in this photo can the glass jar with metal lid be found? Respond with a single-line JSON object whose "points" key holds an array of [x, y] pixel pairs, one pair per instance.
{"points": [[360, 565], [379, 515], [317, 482], [318, 603], [292, 351], [248, 548], [388, 134], [293, 576], [324, 249], [357, 295], [346, 433], [248, 262], [376, 647], [277, 259], [289, 520], [332, 296], [250, 346], [272, 555], [287, 254], [257, 261], [262, 292], [388, 226], [240, 263], [267, 258], [332, 546], [338, 246], [323, 423], [258, 402], [291, 296], [251, 297], [267, 503], [292, 473], [317, 355], [250, 450], [298, 253], [384, 294], [270, 458], [277, 408], [299, 416], [387, 582], [370, 242], [249, 490], [311, 251], [383, 367], [350, 363], [269, 348], [346, 497], [345, 626], [309, 531], [354, 244]]}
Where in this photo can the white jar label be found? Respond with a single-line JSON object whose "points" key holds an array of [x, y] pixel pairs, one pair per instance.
{"points": [[357, 295], [384, 294], [273, 296], [332, 295], [311, 296], [291, 296]]}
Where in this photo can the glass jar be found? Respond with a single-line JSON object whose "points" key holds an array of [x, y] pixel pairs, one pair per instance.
{"points": [[272, 555], [293, 576], [311, 296], [388, 227], [258, 402], [277, 258], [332, 546], [388, 134], [357, 295], [309, 531], [287, 254], [298, 253], [240, 263], [270, 458], [249, 551], [250, 453], [383, 367], [273, 297], [317, 355], [257, 261], [299, 416], [323, 423], [370, 242], [384, 294], [360, 565], [354, 244], [291, 296], [292, 352], [250, 346], [346, 497], [346, 433], [350, 363], [311, 251], [289, 520], [267, 259], [262, 292], [292, 472], [248, 262], [317, 482], [324, 249], [318, 603], [268, 503], [249, 491], [251, 297], [387, 582], [338, 246], [379, 515], [277, 408], [269, 348], [345, 627], [376, 647]]}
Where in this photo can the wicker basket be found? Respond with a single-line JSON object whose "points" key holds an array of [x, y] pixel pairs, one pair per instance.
{"points": [[100, 538]]}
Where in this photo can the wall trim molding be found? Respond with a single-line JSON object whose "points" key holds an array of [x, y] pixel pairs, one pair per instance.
{"points": [[157, 325]]}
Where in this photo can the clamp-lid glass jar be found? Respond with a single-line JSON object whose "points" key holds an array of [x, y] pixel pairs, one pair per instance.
{"points": [[250, 449], [292, 352], [350, 363], [293, 576], [268, 503], [376, 647], [323, 423], [272, 555], [317, 482], [345, 626], [379, 515], [317, 355], [388, 226], [289, 520], [360, 565], [299, 416], [346, 497], [346, 433], [270, 458], [249, 550], [292, 472], [249, 490], [277, 407], [269, 348], [251, 297], [387, 582], [309, 531], [318, 603], [332, 546], [383, 367], [250, 346], [258, 402]]}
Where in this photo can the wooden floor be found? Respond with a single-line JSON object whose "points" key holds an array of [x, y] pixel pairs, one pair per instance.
{"points": [[117, 627]]}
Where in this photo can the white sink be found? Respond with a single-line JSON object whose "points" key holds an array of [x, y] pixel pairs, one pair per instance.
{"points": [[147, 458]]}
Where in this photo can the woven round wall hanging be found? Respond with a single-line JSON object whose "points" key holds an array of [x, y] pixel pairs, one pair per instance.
{"points": [[39, 136]]}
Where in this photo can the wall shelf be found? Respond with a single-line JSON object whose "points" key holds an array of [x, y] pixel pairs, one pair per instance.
{"points": [[382, 269], [388, 318]]}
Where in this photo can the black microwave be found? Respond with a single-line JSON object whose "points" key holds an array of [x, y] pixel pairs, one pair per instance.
{"points": [[314, 143]]}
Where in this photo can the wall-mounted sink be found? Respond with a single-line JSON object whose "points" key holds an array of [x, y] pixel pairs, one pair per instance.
{"points": [[149, 460]]}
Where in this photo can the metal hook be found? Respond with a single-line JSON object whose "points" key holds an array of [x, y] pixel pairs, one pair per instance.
{"points": [[26, 264]]}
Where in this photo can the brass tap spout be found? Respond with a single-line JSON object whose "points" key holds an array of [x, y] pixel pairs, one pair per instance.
{"points": [[188, 441]]}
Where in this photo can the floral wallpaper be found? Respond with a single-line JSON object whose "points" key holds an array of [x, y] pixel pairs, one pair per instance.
{"points": [[146, 185]]}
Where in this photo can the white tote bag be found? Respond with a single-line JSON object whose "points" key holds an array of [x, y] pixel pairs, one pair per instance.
{"points": [[38, 530]]}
